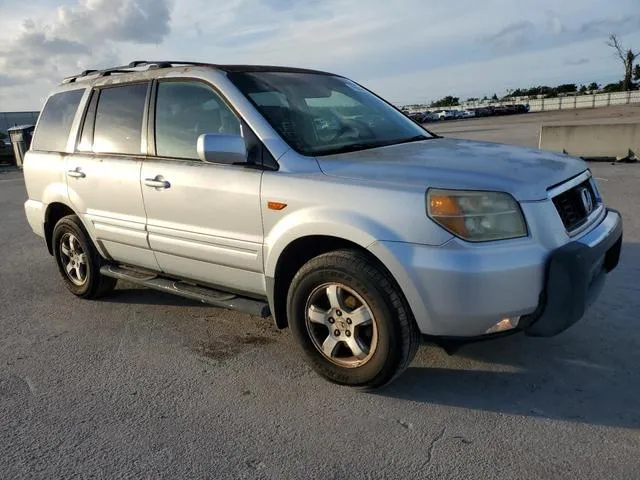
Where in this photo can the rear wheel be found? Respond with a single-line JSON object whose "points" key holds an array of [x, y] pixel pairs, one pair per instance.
{"points": [[78, 260], [350, 320]]}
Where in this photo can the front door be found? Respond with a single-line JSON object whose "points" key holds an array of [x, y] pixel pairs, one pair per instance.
{"points": [[104, 174], [203, 220]]}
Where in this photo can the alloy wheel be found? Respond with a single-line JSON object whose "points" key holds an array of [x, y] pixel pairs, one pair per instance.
{"points": [[341, 325]]}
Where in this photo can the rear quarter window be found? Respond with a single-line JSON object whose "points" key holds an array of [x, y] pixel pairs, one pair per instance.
{"points": [[55, 121]]}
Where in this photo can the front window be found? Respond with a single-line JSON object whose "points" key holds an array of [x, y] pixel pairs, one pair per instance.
{"points": [[320, 114], [186, 110]]}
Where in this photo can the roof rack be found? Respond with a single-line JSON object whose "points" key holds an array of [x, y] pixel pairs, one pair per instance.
{"points": [[154, 64], [129, 68], [167, 63]]}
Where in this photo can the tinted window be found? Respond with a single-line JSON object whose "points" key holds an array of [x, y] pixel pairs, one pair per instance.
{"points": [[55, 122], [118, 126], [186, 110], [324, 114]]}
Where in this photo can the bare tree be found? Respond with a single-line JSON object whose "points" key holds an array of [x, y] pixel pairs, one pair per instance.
{"points": [[627, 57]]}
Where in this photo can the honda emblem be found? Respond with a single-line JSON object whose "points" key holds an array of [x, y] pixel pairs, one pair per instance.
{"points": [[587, 200]]}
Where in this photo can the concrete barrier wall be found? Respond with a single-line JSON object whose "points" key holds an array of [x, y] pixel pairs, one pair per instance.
{"points": [[549, 104], [583, 101], [592, 141]]}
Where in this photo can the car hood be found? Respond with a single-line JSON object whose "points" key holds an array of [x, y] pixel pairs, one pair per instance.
{"points": [[459, 164]]}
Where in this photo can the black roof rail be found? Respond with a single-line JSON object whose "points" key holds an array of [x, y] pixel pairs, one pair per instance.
{"points": [[167, 63], [105, 72], [155, 64], [151, 64]]}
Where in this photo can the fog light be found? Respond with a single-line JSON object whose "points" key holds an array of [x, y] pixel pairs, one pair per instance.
{"points": [[504, 325]]}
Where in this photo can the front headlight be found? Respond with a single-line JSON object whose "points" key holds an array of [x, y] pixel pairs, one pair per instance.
{"points": [[476, 216]]}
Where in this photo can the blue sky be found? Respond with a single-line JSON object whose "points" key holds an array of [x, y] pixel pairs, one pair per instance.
{"points": [[406, 50]]}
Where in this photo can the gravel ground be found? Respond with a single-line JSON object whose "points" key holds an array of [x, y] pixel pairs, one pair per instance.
{"points": [[144, 385]]}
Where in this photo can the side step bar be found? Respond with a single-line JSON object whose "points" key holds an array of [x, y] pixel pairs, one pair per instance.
{"points": [[194, 292]]}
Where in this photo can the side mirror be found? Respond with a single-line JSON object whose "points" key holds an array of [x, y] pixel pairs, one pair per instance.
{"points": [[228, 149]]}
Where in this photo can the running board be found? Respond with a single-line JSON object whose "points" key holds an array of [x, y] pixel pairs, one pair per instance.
{"points": [[194, 292]]}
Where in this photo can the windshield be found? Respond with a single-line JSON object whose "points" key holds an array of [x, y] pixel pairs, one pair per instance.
{"points": [[320, 114]]}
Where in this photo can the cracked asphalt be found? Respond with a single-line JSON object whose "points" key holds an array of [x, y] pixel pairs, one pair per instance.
{"points": [[144, 385]]}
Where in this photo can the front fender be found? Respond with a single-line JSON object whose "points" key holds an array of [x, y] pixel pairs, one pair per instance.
{"points": [[326, 221]]}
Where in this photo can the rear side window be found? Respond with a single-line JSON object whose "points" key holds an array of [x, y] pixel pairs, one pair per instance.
{"points": [[119, 114], [55, 121]]}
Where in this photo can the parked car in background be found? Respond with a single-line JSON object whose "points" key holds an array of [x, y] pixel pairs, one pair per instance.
{"points": [[6, 150], [502, 110], [468, 114], [445, 114], [300, 195], [415, 116], [430, 117], [483, 111]]}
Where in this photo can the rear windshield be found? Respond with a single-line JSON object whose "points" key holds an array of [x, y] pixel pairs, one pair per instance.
{"points": [[320, 114], [55, 121]]}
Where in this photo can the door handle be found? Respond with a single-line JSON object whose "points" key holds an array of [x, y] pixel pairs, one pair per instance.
{"points": [[77, 173], [157, 182]]}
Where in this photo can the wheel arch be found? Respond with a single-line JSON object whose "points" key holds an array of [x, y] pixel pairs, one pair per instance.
{"points": [[298, 252], [54, 212]]}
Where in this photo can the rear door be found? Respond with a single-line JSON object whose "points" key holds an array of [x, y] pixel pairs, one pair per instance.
{"points": [[104, 173], [204, 220]]}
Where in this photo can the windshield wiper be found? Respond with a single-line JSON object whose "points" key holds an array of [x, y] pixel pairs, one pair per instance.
{"points": [[354, 147], [416, 138]]}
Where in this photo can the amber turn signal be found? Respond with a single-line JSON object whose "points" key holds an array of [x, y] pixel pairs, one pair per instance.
{"points": [[276, 205], [445, 208]]}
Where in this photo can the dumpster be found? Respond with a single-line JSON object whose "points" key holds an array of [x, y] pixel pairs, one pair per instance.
{"points": [[20, 141]]}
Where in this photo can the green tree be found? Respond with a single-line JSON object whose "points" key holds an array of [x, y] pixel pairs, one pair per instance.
{"points": [[3, 135], [447, 101], [566, 88], [593, 86], [495, 97], [636, 73], [628, 57], [613, 87], [583, 89]]}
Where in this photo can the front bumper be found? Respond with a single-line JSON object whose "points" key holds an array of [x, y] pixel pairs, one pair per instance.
{"points": [[575, 277], [461, 290]]}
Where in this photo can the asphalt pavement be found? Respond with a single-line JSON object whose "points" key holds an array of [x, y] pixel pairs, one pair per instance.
{"points": [[146, 385]]}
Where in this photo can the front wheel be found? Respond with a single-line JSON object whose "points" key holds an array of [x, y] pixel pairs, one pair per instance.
{"points": [[78, 260], [352, 323]]}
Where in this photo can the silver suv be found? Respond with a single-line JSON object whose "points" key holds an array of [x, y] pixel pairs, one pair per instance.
{"points": [[303, 196]]}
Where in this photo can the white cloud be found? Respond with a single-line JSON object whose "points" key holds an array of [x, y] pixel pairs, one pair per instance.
{"points": [[56, 42], [409, 49]]}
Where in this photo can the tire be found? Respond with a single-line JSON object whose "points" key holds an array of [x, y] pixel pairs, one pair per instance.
{"points": [[385, 347], [71, 244]]}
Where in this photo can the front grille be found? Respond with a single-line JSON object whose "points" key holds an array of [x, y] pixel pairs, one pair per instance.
{"points": [[571, 207]]}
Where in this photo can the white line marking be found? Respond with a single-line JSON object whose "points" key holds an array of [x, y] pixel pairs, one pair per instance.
{"points": [[603, 179]]}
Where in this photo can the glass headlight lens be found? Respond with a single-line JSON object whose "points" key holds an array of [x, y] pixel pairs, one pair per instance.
{"points": [[476, 216]]}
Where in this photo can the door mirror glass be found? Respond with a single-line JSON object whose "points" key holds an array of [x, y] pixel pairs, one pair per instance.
{"points": [[218, 148]]}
